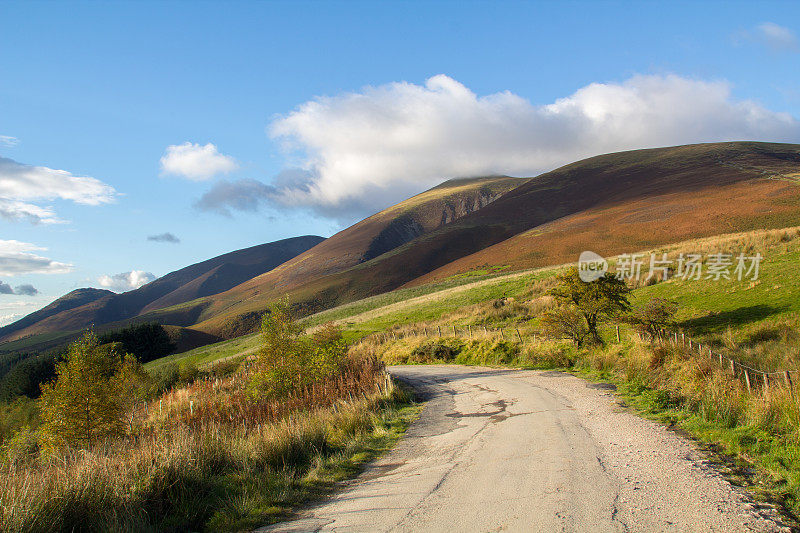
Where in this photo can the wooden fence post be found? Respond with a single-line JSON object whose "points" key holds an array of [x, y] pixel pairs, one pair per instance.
{"points": [[747, 380], [485, 331], [766, 386], [440, 331], [788, 378], [733, 368], [720, 358], [454, 332], [617, 332], [469, 330]]}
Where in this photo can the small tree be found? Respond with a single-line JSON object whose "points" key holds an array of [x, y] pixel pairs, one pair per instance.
{"points": [[288, 361], [85, 403], [279, 360], [596, 301], [565, 321], [655, 315]]}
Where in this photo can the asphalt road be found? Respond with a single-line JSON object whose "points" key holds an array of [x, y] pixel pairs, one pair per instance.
{"points": [[507, 450]]}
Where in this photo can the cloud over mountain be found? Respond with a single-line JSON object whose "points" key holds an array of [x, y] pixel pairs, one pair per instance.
{"points": [[360, 150], [196, 162], [8, 140], [126, 281]]}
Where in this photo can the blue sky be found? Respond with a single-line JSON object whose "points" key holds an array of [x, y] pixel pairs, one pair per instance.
{"points": [[320, 113]]}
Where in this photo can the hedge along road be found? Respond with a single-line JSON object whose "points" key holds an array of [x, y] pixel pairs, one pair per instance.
{"points": [[512, 450]]}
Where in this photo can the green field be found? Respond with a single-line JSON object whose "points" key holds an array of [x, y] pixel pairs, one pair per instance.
{"points": [[376, 313], [707, 308]]}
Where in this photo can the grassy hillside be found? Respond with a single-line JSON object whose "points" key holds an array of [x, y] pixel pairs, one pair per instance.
{"points": [[71, 300], [707, 308]]}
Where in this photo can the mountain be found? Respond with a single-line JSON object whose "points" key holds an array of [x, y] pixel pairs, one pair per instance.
{"points": [[85, 307], [71, 300], [330, 273], [610, 204], [634, 200]]}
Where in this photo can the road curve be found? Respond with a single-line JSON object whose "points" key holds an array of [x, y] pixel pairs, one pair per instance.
{"points": [[511, 450]]}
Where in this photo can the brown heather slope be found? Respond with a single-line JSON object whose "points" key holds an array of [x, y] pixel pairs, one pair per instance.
{"points": [[707, 190], [639, 198], [332, 272], [206, 278]]}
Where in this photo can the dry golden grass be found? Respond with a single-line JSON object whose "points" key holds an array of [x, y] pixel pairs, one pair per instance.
{"points": [[192, 456]]}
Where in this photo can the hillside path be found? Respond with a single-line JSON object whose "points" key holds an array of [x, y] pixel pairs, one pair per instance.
{"points": [[512, 450]]}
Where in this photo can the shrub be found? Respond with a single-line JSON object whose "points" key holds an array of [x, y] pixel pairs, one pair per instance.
{"points": [[287, 361], [652, 317], [22, 448], [433, 351], [87, 402], [165, 377]]}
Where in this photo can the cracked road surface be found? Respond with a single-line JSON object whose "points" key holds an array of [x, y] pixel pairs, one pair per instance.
{"points": [[512, 450]]}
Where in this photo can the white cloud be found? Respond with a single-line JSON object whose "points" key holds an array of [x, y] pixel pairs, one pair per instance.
{"points": [[21, 184], [17, 258], [8, 140], [196, 162], [777, 37], [126, 281], [361, 150]]}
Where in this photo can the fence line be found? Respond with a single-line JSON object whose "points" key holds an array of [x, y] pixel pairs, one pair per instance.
{"points": [[679, 339]]}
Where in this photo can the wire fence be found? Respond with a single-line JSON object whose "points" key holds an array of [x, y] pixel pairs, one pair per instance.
{"points": [[753, 378], [738, 369]]}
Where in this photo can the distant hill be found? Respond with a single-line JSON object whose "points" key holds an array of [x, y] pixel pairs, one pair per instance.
{"points": [[71, 300], [84, 307]]}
